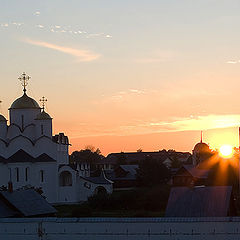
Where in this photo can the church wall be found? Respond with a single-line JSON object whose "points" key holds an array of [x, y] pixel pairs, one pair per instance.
{"points": [[19, 179], [4, 174], [43, 127], [19, 143], [13, 131], [62, 154], [50, 182], [3, 130], [45, 145], [28, 116], [3, 149], [29, 132]]}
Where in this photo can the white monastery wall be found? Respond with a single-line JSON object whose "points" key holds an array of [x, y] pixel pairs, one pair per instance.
{"points": [[120, 228]]}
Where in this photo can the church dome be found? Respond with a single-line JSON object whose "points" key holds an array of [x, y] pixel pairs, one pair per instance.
{"points": [[43, 116], [201, 147], [24, 102], [2, 118]]}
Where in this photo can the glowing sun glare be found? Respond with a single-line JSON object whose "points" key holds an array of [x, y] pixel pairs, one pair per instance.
{"points": [[226, 151]]}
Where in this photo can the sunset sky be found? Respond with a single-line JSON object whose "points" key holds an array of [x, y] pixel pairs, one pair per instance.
{"points": [[129, 74]]}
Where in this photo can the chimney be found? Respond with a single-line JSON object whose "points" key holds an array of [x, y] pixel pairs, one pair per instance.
{"points": [[10, 187]]}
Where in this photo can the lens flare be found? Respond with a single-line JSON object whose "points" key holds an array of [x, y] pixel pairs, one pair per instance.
{"points": [[226, 151]]}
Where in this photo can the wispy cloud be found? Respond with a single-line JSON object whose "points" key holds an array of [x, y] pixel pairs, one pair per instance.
{"points": [[233, 61], [82, 55]]}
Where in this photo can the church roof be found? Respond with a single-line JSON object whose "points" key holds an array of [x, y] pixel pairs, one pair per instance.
{"points": [[24, 102], [22, 156], [43, 116]]}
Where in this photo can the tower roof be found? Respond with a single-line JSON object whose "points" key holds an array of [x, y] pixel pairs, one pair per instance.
{"points": [[43, 116], [24, 102]]}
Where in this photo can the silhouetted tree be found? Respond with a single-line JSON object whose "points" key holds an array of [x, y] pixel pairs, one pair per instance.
{"points": [[152, 172], [121, 160], [86, 155]]}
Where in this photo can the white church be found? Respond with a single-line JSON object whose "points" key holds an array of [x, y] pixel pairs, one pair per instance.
{"points": [[31, 156]]}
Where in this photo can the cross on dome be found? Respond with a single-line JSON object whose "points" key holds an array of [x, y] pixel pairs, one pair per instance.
{"points": [[43, 100], [24, 78]]}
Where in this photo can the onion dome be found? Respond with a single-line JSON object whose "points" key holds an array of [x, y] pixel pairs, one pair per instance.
{"points": [[2, 118], [43, 116], [24, 102]]}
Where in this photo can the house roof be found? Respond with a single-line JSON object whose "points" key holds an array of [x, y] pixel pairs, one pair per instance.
{"points": [[194, 171], [129, 173], [199, 201], [28, 202], [102, 179], [22, 156], [130, 168], [140, 156]]}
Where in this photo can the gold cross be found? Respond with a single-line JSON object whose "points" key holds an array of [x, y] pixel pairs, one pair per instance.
{"points": [[24, 80], [43, 100]]}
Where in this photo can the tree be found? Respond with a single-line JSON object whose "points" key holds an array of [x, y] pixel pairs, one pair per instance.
{"points": [[121, 159], [86, 155], [152, 172]]}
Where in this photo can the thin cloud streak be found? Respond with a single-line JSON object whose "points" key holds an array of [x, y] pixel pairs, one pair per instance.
{"points": [[82, 55]]}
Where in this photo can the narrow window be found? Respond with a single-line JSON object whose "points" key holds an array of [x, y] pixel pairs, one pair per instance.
{"points": [[42, 129], [41, 176], [22, 122], [17, 174], [26, 174]]}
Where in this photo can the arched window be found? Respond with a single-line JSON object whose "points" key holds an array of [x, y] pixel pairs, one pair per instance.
{"points": [[41, 176], [65, 179], [100, 190]]}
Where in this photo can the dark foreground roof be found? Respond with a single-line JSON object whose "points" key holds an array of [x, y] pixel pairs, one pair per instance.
{"points": [[22, 156], [28, 202], [195, 172], [6, 210], [199, 201]]}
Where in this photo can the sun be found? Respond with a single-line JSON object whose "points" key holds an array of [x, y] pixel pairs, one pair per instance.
{"points": [[226, 151]]}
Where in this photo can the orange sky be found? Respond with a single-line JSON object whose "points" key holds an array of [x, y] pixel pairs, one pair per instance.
{"points": [[149, 74]]}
